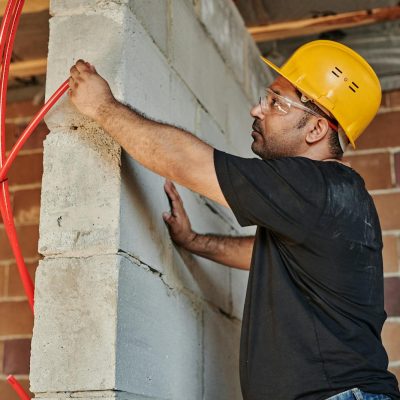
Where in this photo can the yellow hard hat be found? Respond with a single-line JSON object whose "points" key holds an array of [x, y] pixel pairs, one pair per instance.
{"points": [[338, 79]]}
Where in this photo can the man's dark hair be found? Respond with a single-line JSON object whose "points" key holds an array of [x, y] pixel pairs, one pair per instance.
{"points": [[334, 144]]}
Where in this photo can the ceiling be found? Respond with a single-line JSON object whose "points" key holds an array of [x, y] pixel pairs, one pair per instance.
{"points": [[378, 40]]}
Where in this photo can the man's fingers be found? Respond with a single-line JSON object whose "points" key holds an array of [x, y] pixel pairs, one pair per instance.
{"points": [[82, 65], [171, 200], [175, 200], [74, 72], [169, 189], [173, 191]]}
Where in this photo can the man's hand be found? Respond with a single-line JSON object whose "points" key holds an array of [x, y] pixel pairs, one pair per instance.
{"points": [[89, 92], [234, 252], [177, 220]]}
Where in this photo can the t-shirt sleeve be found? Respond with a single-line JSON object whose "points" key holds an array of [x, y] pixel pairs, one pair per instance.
{"points": [[285, 195]]}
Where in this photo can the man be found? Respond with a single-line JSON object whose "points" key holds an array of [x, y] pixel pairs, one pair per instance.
{"points": [[314, 304]]}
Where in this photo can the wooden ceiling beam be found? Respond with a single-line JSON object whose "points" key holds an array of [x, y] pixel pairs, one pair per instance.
{"points": [[30, 6], [316, 25], [26, 69]]}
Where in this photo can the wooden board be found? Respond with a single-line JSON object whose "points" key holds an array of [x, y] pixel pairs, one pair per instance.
{"points": [[311, 26], [30, 6]]}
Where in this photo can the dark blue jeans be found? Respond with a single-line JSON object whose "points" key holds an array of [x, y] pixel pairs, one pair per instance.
{"points": [[357, 394]]}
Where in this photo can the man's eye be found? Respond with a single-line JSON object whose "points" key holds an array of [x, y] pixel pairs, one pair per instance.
{"points": [[276, 103]]}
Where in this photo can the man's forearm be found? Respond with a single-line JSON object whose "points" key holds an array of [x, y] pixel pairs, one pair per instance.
{"points": [[233, 251], [166, 150]]}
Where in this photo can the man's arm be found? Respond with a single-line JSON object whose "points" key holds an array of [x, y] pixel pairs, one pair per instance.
{"points": [[233, 251], [168, 151]]}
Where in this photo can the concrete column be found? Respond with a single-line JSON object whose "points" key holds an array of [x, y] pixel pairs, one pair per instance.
{"points": [[120, 312]]}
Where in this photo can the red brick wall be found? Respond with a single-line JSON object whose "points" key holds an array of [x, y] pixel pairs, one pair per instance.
{"points": [[16, 320], [377, 159]]}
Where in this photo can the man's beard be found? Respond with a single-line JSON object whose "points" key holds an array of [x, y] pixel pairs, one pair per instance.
{"points": [[269, 147]]}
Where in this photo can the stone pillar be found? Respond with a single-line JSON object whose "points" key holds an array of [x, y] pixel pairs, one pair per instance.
{"points": [[121, 313]]}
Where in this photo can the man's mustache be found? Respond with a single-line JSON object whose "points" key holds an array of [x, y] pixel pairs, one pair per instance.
{"points": [[256, 127]]}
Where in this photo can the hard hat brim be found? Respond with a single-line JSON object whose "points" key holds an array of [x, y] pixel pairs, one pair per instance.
{"points": [[272, 65]]}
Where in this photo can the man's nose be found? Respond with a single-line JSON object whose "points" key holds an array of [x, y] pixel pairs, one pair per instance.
{"points": [[256, 111]]}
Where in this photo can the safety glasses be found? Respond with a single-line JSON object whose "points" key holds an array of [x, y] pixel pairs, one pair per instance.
{"points": [[272, 102]]}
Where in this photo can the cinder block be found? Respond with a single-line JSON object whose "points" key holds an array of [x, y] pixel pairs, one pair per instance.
{"points": [[204, 278], [225, 25], [239, 280], [182, 105], [239, 120], [197, 61], [75, 328], [221, 356], [88, 40], [145, 236], [258, 74], [154, 15], [74, 7], [159, 338], [80, 193], [210, 132], [150, 85]]}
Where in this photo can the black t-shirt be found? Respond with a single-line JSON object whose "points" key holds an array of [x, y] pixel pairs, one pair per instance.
{"points": [[314, 305]]}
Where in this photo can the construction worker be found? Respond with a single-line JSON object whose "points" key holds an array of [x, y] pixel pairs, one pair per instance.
{"points": [[314, 308]]}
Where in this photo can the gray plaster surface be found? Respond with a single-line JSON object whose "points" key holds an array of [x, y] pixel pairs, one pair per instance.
{"points": [[74, 335], [121, 312]]}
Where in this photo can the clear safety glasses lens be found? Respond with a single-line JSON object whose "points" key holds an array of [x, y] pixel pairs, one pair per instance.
{"points": [[272, 102]]}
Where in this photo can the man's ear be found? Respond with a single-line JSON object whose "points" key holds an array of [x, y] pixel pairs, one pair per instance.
{"points": [[317, 130]]}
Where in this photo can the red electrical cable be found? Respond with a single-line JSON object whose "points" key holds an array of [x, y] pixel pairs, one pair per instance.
{"points": [[8, 32], [4, 35], [17, 9], [5, 204], [30, 128], [18, 388]]}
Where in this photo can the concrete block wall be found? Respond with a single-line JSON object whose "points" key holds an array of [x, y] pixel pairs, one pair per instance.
{"points": [[377, 159], [120, 312]]}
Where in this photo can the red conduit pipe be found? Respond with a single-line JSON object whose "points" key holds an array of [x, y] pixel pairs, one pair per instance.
{"points": [[18, 388], [4, 37], [6, 67], [5, 204], [7, 37], [31, 127]]}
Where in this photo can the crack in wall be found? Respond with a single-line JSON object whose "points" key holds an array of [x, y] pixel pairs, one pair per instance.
{"points": [[140, 263], [196, 300], [181, 289]]}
